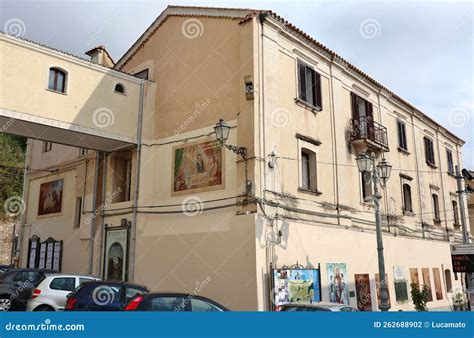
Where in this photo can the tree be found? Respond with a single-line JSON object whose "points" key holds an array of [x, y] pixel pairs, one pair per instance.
{"points": [[12, 158], [419, 296]]}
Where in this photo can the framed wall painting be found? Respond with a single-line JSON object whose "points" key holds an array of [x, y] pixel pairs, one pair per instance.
{"points": [[338, 283], [364, 297], [116, 254], [197, 167], [51, 198]]}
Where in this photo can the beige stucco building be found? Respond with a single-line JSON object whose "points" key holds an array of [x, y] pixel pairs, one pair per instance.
{"points": [[199, 216]]}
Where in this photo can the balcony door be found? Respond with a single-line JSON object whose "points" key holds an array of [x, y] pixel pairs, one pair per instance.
{"points": [[363, 117]]}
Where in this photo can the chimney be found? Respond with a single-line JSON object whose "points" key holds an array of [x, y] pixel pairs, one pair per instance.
{"points": [[100, 56]]}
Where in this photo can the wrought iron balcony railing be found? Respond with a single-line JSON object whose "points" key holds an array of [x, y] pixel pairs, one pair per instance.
{"points": [[371, 132]]}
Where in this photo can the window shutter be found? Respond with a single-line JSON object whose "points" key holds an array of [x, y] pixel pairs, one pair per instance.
{"points": [[318, 91], [302, 81], [370, 112], [355, 110], [425, 139], [405, 145], [399, 129]]}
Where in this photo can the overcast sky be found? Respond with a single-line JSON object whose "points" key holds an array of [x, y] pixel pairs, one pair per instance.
{"points": [[423, 51]]}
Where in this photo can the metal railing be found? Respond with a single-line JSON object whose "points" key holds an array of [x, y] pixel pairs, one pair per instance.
{"points": [[366, 128]]}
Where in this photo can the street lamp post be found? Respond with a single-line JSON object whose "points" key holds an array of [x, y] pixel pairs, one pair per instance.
{"points": [[222, 131], [381, 172]]}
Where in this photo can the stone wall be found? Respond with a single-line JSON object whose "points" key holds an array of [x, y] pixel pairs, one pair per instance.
{"points": [[6, 237]]}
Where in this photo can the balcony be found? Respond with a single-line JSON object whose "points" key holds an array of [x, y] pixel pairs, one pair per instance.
{"points": [[369, 134]]}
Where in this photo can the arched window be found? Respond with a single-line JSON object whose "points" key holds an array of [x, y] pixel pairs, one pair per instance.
{"points": [[447, 278], [120, 88], [308, 170], [436, 207], [57, 80], [455, 213], [407, 205]]}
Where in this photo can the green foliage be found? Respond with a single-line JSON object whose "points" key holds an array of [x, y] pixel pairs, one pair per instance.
{"points": [[419, 296], [12, 156]]}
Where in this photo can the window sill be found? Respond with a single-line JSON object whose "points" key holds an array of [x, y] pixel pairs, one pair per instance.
{"points": [[431, 165], [56, 91], [404, 151], [116, 92], [368, 204], [408, 213], [453, 175], [307, 105], [311, 192], [437, 222]]}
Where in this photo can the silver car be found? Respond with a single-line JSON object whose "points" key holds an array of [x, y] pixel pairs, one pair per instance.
{"points": [[51, 293], [320, 306]]}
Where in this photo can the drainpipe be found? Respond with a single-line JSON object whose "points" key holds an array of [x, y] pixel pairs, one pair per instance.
{"points": [[269, 250], [94, 209], [334, 136], [131, 269], [102, 220], [25, 193]]}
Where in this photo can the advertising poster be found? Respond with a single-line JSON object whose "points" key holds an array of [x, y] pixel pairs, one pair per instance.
{"points": [[116, 254], [338, 283], [414, 278], [296, 286], [377, 284], [437, 283], [50, 198], [364, 298], [425, 272], [198, 167]]}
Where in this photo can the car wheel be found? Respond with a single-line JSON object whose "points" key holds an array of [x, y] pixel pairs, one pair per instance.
{"points": [[5, 303], [44, 308]]}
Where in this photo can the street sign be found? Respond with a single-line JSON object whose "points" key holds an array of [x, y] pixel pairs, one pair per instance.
{"points": [[462, 256]]}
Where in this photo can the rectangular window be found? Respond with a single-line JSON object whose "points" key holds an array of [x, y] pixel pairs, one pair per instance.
{"points": [[309, 86], [449, 156], [142, 74], [407, 202], [78, 212], [121, 165], [402, 136], [429, 151], [308, 170], [436, 216], [367, 191], [83, 151], [47, 146]]}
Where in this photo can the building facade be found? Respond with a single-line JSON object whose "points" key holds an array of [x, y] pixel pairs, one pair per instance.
{"points": [[178, 211]]}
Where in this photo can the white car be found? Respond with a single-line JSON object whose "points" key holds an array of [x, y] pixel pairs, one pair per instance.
{"points": [[51, 293]]}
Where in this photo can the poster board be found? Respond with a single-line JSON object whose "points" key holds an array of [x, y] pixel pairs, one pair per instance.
{"points": [[116, 254], [295, 285]]}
